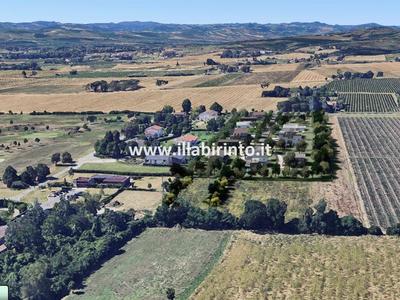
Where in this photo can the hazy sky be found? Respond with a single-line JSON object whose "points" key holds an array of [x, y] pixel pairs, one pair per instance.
{"points": [[385, 12]]}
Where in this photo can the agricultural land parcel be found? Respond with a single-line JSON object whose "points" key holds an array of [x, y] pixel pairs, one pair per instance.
{"points": [[156, 260], [304, 267], [372, 144]]}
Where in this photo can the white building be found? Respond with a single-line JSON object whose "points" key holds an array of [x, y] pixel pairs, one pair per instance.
{"points": [[208, 115]]}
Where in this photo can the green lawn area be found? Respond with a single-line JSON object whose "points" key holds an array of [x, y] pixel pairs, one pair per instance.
{"points": [[204, 136], [158, 259], [54, 139], [122, 167]]}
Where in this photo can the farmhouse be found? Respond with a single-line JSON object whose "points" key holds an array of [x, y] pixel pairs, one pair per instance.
{"points": [[208, 115], [154, 131]]}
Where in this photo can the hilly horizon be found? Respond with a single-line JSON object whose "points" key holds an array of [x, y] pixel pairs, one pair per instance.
{"points": [[44, 34]]}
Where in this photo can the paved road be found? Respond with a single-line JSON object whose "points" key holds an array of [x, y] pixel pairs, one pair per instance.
{"points": [[52, 200]]}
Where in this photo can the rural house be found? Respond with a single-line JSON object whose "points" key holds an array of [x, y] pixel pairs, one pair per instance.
{"points": [[256, 160], [187, 139], [154, 132], [208, 115], [300, 158], [293, 127], [240, 133], [290, 138], [243, 124], [164, 160], [259, 115]]}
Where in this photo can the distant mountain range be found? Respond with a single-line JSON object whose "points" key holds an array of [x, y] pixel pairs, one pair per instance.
{"points": [[65, 34]]}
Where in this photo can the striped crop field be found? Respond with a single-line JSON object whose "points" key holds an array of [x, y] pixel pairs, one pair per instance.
{"points": [[385, 85], [370, 103], [372, 144]]}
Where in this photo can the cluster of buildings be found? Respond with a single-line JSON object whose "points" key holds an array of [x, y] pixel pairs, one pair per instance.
{"points": [[242, 134], [291, 134], [156, 132]]}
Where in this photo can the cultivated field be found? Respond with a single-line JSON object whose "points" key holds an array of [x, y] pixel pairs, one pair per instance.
{"points": [[385, 85], [156, 260], [309, 77], [305, 267], [372, 144], [370, 103], [365, 58], [390, 69], [248, 96]]}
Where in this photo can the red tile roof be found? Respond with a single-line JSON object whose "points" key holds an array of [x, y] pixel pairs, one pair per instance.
{"points": [[188, 138]]}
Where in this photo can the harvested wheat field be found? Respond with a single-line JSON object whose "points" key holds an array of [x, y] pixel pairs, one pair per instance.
{"points": [[192, 60], [305, 267], [293, 55], [390, 69], [309, 77], [363, 58], [143, 100]]}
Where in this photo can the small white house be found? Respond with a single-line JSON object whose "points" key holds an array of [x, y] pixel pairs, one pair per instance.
{"points": [[293, 127]]}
